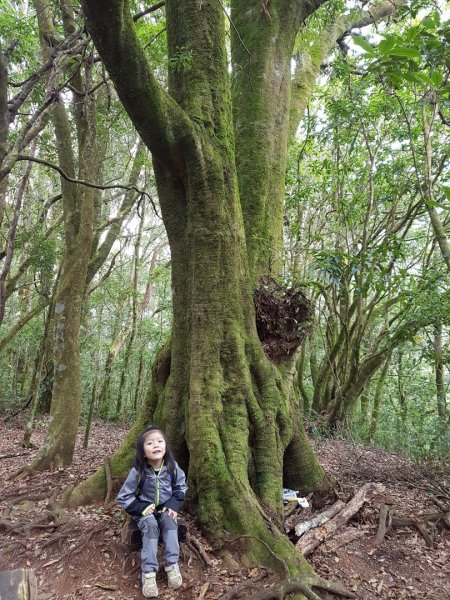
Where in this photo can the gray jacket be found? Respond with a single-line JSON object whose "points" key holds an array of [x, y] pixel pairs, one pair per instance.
{"points": [[164, 491]]}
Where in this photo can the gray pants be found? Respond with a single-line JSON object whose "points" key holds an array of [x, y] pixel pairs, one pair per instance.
{"points": [[151, 526]]}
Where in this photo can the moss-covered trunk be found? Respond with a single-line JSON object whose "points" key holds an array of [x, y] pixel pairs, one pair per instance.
{"points": [[229, 413]]}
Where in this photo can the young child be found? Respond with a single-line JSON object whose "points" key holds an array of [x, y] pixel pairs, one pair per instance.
{"points": [[152, 494]]}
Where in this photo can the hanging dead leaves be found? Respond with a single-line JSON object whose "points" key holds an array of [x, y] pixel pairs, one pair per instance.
{"points": [[283, 317]]}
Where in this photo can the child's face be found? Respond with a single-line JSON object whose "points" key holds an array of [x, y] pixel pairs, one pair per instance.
{"points": [[154, 448]]}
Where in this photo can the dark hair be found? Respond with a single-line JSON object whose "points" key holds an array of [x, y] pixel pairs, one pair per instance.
{"points": [[140, 461]]}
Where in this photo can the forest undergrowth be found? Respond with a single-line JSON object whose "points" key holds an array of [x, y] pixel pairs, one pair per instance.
{"points": [[78, 554]]}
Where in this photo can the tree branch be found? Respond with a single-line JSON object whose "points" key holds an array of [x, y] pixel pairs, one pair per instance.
{"points": [[160, 121], [22, 322], [87, 183], [148, 10], [308, 66]]}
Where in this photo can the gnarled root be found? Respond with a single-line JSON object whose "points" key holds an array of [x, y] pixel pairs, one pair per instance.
{"points": [[302, 584]]}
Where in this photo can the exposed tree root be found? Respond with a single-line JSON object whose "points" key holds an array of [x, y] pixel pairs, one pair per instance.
{"points": [[56, 539], [2, 456], [24, 529], [197, 547], [20, 473], [302, 584], [78, 548], [237, 590], [6, 525]]}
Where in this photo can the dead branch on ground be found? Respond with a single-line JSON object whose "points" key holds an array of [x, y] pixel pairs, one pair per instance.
{"points": [[387, 521], [198, 549], [313, 538], [319, 519]]}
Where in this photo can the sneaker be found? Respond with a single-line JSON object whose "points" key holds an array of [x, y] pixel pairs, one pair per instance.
{"points": [[174, 578], [149, 587]]}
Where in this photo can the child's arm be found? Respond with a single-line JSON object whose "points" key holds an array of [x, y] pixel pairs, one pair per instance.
{"points": [[179, 488], [128, 497]]}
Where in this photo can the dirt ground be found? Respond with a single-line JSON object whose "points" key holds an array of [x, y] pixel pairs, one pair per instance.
{"points": [[78, 554]]}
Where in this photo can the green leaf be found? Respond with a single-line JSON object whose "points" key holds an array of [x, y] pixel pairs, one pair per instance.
{"points": [[385, 45], [395, 79], [436, 77], [412, 77], [403, 51], [446, 190], [426, 79], [364, 44]]}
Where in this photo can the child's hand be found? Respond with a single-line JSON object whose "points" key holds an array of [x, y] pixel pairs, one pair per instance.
{"points": [[148, 511], [172, 514]]}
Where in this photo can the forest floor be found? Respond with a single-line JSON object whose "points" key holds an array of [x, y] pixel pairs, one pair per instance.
{"points": [[78, 554]]}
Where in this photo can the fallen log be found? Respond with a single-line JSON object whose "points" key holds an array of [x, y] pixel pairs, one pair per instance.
{"points": [[18, 584], [343, 539], [319, 519], [313, 538]]}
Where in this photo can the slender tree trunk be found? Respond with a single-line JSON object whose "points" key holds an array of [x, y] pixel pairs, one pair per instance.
{"points": [[373, 424], [436, 223], [139, 381], [90, 413], [439, 372], [36, 379], [12, 234], [301, 366], [134, 311], [401, 388], [65, 411]]}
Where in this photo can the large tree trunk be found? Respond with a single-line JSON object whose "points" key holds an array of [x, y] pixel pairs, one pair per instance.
{"points": [[226, 409]]}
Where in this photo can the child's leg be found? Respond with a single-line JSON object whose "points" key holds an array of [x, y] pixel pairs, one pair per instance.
{"points": [[169, 533], [150, 535]]}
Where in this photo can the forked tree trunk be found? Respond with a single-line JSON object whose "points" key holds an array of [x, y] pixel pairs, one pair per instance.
{"points": [[228, 412]]}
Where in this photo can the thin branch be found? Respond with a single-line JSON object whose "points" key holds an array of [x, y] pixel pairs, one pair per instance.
{"points": [[22, 322], [148, 10], [234, 27], [88, 183]]}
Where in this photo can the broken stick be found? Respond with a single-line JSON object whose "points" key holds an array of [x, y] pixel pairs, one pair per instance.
{"points": [[384, 523], [319, 519]]}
